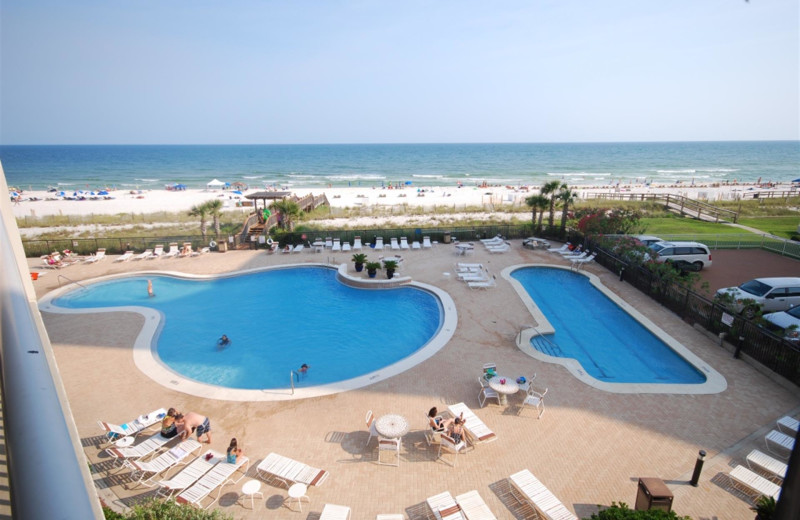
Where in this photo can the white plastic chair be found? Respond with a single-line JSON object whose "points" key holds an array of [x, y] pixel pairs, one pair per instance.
{"points": [[370, 420], [534, 399], [486, 392], [389, 446], [333, 512], [527, 384], [449, 444]]}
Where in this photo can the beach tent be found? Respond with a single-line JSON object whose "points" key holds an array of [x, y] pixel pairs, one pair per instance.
{"points": [[215, 184]]}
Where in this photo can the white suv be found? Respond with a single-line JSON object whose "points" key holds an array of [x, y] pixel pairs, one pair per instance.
{"points": [[769, 294], [685, 255]]}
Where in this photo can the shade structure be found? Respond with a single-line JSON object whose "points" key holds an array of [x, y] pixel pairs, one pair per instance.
{"points": [[216, 183]]}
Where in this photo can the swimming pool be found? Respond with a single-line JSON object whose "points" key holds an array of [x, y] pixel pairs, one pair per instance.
{"points": [[601, 339], [277, 319]]}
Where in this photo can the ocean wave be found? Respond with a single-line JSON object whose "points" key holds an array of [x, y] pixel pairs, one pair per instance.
{"points": [[357, 177], [579, 174], [718, 170], [250, 177], [677, 171], [148, 180], [428, 176]]}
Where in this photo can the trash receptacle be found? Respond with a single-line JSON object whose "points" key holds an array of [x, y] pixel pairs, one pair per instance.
{"points": [[653, 494], [446, 237], [222, 246]]}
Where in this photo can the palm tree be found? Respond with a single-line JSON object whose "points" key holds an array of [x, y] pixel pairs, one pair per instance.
{"points": [[214, 208], [538, 203], [565, 197], [550, 190], [289, 210], [200, 210]]}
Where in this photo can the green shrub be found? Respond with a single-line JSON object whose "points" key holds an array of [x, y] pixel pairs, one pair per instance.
{"points": [[153, 509], [621, 512]]}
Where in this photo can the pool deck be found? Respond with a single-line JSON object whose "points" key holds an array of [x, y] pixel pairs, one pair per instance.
{"points": [[590, 447]]}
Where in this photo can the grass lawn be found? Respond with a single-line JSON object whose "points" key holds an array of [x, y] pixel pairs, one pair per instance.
{"points": [[783, 227], [683, 226]]}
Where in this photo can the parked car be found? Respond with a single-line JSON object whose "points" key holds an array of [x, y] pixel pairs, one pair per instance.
{"points": [[686, 253], [768, 294], [786, 323], [647, 240]]}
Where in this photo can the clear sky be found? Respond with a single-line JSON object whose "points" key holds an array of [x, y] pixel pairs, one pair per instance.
{"points": [[369, 71]]}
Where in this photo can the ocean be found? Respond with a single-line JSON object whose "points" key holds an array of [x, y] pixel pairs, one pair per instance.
{"points": [[66, 167]]}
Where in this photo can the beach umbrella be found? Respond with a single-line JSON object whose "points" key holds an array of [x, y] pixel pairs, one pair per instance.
{"points": [[796, 180], [102, 192], [408, 183], [237, 192]]}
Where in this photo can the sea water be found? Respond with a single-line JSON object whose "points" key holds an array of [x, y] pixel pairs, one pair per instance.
{"points": [[368, 165]]}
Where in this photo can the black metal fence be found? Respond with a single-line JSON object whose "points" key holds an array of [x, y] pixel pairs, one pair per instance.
{"points": [[775, 353]]}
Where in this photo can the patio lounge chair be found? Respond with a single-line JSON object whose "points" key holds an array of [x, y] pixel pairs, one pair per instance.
{"points": [[538, 496], [125, 256], [444, 507], [157, 252], [115, 432], [378, 244], [163, 462], [473, 506], [482, 284], [173, 251], [298, 248], [186, 250], [403, 243], [202, 251], [215, 478], [757, 460], [416, 245], [477, 431], [189, 474], [346, 246], [357, 244], [789, 425], [333, 512], [147, 447], [328, 242], [278, 467], [426, 242], [493, 240], [753, 484], [561, 249], [781, 441], [499, 249], [101, 254], [146, 254], [337, 245], [395, 244]]}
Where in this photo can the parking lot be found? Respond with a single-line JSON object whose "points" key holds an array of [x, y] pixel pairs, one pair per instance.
{"points": [[732, 267]]}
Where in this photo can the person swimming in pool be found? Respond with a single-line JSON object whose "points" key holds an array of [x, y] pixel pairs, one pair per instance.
{"points": [[303, 368], [224, 341], [150, 292]]}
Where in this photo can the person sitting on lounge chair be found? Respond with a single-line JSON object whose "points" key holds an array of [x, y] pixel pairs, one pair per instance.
{"points": [[168, 427], [437, 422], [55, 262], [233, 452], [456, 431]]}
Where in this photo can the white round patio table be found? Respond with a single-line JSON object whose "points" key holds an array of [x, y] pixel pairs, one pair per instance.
{"points": [[298, 491], [504, 389], [252, 488], [392, 426]]}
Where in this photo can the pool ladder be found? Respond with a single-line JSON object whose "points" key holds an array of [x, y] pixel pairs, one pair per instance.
{"points": [[292, 375]]}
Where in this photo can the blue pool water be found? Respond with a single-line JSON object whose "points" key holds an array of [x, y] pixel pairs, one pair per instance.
{"points": [[277, 320], [607, 341]]}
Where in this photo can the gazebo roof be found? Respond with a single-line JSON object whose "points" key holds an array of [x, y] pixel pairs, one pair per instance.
{"points": [[268, 195]]}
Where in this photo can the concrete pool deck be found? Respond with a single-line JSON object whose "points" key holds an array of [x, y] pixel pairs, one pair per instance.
{"points": [[590, 447]]}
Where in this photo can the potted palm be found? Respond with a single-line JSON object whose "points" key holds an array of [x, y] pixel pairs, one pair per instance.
{"points": [[390, 266], [764, 508], [359, 259], [372, 268]]}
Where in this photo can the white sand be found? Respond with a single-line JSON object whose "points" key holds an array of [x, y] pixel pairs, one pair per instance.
{"points": [[456, 198]]}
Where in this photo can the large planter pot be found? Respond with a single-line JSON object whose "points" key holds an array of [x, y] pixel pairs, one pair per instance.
{"points": [[389, 273], [372, 272], [359, 268]]}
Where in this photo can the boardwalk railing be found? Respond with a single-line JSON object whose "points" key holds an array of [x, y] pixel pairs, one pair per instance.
{"points": [[684, 205]]}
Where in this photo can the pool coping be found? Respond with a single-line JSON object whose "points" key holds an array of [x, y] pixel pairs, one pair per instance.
{"points": [[147, 360], [715, 382]]}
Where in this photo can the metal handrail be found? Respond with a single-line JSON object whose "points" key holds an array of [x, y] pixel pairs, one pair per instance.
{"points": [[69, 280]]}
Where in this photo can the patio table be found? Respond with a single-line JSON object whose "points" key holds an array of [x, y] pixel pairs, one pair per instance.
{"points": [[392, 426], [510, 386]]}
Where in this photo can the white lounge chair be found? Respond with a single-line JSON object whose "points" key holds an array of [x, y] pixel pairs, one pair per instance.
{"points": [[495, 239], [215, 478], [403, 243], [202, 251], [186, 250], [578, 251], [444, 507], [157, 252], [477, 431], [482, 284], [426, 242], [788, 425], [152, 468], [395, 245], [115, 432], [534, 399], [781, 441], [463, 265], [357, 244], [278, 467], [473, 506], [127, 255], [378, 244], [757, 460], [101, 254], [472, 276], [333, 512], [499, 249], [346, 247], [561, 249], [173, 251], [147, 447], [538, 496], [753, 484], [146, 254], [416, 245], [189, 474], [337, 245], [298, 248], [328, 242], [583, 259]]}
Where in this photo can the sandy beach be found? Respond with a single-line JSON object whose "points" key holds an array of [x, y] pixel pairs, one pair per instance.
{"points": [[41, 203]]}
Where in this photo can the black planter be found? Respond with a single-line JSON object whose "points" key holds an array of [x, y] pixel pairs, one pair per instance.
{"points": [[359, 268], [372, 272], [389, 273]]}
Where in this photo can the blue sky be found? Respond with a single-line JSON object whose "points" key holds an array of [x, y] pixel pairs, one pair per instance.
{"points": [[179, 71]]}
